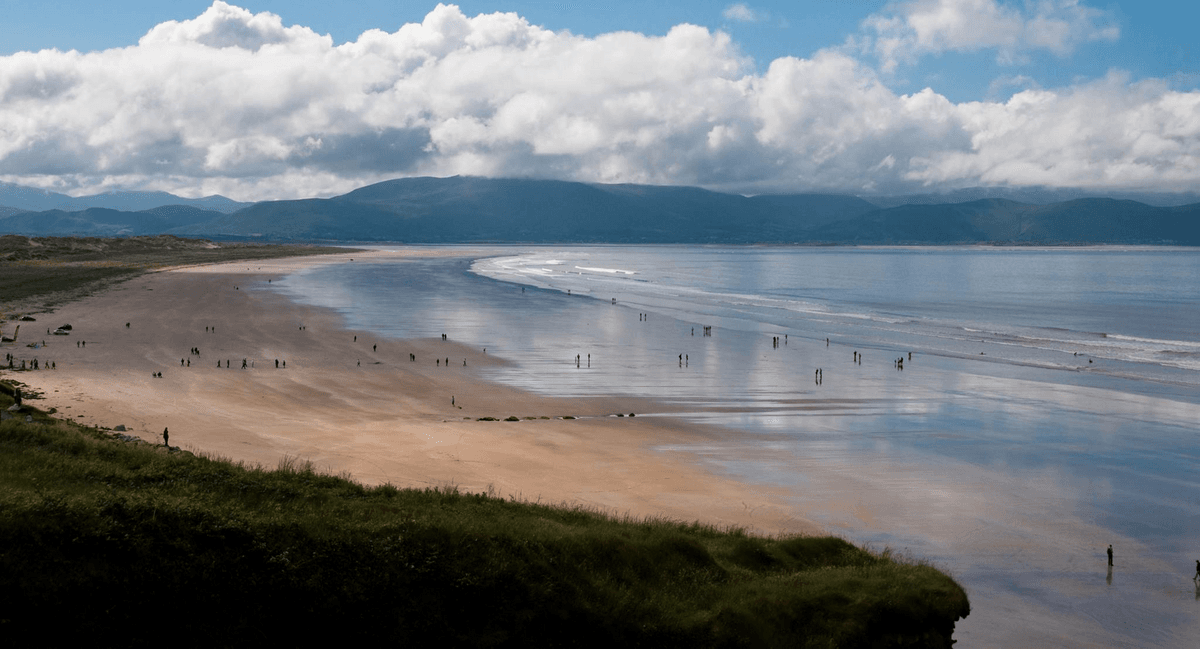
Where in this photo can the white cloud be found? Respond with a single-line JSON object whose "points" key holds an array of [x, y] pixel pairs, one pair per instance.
{"points": [[742, 13], [240, 104], [909, 29]]}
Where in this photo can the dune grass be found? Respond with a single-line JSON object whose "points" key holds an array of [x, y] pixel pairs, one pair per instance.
{"points": [[98, 536]]}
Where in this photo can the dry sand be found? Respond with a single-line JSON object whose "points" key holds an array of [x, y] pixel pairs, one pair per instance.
{"points": [[386, 420]]}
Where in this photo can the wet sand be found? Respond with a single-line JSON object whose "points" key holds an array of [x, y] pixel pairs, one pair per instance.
{"points": [[373, 414]]}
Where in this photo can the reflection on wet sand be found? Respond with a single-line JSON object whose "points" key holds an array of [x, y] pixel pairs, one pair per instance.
{"points": [[1013, 478]]}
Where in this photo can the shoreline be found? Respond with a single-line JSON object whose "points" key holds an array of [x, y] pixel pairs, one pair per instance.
{"points": [[388, 420]]}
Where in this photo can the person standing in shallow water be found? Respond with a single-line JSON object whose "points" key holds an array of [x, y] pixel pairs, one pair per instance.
{"points": [[1110, 555]]}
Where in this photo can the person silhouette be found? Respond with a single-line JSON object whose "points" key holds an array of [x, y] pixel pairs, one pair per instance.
{"points": [[1110, 554], [166, 438]]}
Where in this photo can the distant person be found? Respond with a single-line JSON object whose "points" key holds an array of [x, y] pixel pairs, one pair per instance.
{"points": [[374, 347], [1110, 555], [166, 438], [276, 363], [1197, 577]]}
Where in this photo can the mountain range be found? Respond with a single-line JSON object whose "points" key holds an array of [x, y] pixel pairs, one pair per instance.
{"points": [[470, 209], [36, 200]]}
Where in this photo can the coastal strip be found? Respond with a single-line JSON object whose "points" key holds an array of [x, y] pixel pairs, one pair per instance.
{"points": [[380, 410]]}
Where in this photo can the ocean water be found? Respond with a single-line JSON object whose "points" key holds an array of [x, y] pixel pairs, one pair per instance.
{"points": [[1050, 406]]}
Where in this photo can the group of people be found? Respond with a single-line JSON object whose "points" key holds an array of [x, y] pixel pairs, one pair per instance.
{"points": [[34, 364]]}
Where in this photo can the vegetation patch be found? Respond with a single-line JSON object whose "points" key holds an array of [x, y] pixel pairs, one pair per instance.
{"points": [[108, 534], [38, 272]]}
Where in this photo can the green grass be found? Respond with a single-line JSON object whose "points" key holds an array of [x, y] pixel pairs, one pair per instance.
{"points": [[101, 536], [54, 270]]}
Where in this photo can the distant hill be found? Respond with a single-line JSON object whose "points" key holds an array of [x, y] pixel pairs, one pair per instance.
{"points": [[1091, 220], [466, 210], [1034, 195], [40, 200], [463, 209], [101, 222]]}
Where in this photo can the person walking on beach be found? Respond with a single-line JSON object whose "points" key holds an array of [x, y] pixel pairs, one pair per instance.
{"points": [[1110, 555], [166, 438]]}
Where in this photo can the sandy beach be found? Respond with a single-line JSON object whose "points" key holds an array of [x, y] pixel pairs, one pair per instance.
{"points": [[356, 404]]}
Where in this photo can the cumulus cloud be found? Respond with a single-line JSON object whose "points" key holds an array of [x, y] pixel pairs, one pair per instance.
{"points": [[910, 29], [239, 103]]}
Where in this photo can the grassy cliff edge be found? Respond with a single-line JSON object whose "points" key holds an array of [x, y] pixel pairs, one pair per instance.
{"points": [[99, 534]]}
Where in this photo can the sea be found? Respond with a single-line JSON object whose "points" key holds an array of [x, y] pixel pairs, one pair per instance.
{"points": [[1003, 413]]}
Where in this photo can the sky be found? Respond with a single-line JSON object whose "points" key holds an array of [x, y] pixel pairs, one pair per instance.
{"points": [[273, 100]]}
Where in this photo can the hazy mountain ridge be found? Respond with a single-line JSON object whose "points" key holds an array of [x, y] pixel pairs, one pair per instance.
{"points": [[442, 210], [1033, 195], [470, 209], [103, 222], [41, 200], [1087, 220]]}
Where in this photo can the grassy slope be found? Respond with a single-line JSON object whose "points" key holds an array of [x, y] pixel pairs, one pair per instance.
{"points": [[53, 270], [99, 535]]}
